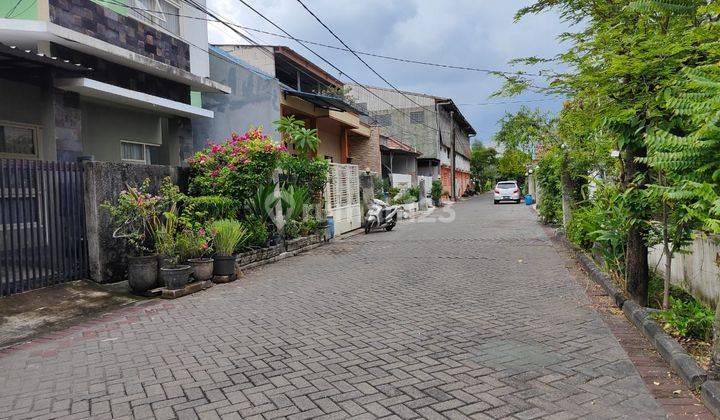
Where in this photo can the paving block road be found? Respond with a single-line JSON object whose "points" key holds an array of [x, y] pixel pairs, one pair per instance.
{"points": [[468, 313]]}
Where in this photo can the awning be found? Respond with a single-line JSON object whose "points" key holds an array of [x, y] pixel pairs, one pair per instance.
{"points": [[111, 93], [28, 33], [322, 101], [14, 58]]}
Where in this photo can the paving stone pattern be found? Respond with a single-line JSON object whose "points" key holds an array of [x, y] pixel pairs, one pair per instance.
{"points": [[475, 318]]}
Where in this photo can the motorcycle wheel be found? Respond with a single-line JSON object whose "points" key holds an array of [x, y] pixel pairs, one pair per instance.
{"points": [[367, 229], [388, 228]]}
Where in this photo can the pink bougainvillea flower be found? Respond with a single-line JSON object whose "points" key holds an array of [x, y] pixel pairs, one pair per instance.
{"points": [[202, 159], [216, 149], [214, 173], [268, 147], [232, 168], [201, 232]]}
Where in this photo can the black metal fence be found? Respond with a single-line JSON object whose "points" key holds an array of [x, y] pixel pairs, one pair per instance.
{"points": [[42, 224]]}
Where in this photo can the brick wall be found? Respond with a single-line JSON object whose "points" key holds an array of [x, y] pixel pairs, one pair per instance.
{"points": [[365, 152], [101, 23]]}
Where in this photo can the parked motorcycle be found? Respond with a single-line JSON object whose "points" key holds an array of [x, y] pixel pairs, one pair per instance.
{"points": [[380, 215]]}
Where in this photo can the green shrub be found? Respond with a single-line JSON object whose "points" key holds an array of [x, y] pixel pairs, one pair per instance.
{"points": [[258, 232], [687, 319], [200, 211], [228, 236], [236, 167], [309, 226], [436, 191], [583, 227], [415, 192], [308, 173], [292, 229], [614, 220], [548, 177]]}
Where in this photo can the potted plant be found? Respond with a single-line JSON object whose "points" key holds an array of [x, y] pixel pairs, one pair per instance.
{"points": [[131, 217], [173, 274], [229, 234], [194, 247]]}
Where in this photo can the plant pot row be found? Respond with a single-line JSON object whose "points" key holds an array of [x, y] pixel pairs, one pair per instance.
{"points": [[144, 272]]}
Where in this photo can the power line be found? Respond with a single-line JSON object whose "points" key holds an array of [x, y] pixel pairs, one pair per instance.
{"points": [[334, 47], [507, 102], [328, 62], [358, 57]]}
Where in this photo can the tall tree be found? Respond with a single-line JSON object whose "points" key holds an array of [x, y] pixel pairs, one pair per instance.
{"points": [[483, 163], [621, 58]]}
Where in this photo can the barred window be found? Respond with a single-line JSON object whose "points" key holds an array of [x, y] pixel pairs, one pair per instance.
{"points": [[417, 117]]}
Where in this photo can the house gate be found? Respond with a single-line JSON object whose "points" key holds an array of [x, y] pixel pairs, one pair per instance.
{"points": [[342, 197], [42, 224]]}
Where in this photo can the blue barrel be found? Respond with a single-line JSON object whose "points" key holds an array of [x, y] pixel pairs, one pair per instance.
{"points": [[330, 227], [528, 200]]}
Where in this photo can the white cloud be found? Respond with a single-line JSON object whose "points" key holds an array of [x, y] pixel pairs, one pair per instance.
{"points": [[473, 33]]}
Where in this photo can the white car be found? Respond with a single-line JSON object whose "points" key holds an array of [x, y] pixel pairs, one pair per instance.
{"points": [[506, 191]]}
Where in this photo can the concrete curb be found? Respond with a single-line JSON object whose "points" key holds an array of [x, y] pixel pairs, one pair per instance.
{"points": [[670, 350], [710, 391]]}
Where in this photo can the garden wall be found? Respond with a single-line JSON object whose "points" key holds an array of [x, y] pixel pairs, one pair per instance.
{"points": [[104, 181], [696, 271]]}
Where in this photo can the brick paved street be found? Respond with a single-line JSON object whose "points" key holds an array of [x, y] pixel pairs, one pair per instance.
{"points": [[474, 318]]}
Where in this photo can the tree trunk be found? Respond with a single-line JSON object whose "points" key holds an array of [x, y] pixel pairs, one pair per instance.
{"points": [[636, 253], [714, 368], [636, 266], [567, 188], [668, 259]]}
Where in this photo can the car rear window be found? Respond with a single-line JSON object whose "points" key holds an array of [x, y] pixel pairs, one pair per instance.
{"points": [[506, 185]]}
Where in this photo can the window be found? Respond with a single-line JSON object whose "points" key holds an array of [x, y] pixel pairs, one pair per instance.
{"points": [[18, 140], [384, 120], [163, 13], [417, 117], [361, 106], [139, 153]]}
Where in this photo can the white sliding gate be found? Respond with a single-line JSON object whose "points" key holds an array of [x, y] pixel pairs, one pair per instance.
{"points": [[342, 197]]}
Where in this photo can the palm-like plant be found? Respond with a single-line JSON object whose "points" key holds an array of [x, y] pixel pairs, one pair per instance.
{"points": [[293, 200], [304, 140], [261, 204]]}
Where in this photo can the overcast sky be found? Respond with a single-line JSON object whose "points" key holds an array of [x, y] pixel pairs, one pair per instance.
{"points": [[473, 33]]}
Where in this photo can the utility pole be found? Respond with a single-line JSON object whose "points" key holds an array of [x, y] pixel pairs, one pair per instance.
{"points": [[453, 194]]}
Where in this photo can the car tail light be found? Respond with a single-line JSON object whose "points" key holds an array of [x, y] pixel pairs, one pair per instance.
{"points": [[516, 190], [497, 191]]}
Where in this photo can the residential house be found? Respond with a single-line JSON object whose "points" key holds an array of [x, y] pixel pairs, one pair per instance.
{"points": [[310, 93], [254, 101], [313, 95], [432, 125], [399, 162], [117, 80]]}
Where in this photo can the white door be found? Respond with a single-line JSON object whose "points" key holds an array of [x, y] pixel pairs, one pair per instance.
{"points": [[342, 197]]}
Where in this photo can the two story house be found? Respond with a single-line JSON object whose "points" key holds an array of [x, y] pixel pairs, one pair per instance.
{"points": [[313, 95], [431, 125], [116, 80]]}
